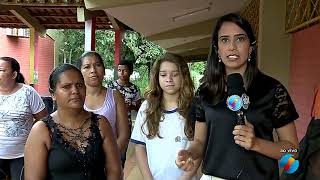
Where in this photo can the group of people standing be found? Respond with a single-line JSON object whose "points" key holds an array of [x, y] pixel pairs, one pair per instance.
{"points": [[177, 128], [84, 138]]}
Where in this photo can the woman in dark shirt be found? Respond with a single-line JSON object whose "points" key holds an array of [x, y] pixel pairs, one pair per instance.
{"points": [[71, 143], [230, 150]]}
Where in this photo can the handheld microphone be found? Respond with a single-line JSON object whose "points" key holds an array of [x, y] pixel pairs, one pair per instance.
{"points": [[237, 99]]}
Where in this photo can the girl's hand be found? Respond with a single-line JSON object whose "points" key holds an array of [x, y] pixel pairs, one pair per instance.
{"points": [[184, 160], [244, 135]]}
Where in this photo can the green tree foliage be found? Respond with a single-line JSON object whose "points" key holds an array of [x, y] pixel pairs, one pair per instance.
{"points": [[197, 71], [70, 45], [134, 47], [144, 51], [105, 47], [143, 81]]}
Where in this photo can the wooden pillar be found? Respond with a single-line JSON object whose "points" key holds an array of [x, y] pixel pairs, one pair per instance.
{"points": [[34, 58], [90, 34]]}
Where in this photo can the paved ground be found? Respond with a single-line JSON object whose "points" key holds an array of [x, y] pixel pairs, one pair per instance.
{"points": [[131, 170]]}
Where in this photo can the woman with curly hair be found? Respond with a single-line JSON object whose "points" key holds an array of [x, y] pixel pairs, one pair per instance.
{"points": [[162, 126]]}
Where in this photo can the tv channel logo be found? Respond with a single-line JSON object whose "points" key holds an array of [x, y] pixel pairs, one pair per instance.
{"points": [[289, 164]]}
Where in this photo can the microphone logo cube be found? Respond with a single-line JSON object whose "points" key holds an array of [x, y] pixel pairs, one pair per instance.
{"points": [[234, 102]]}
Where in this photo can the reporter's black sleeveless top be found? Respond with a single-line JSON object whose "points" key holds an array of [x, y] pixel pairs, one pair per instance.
{"points": [[66, 161]]}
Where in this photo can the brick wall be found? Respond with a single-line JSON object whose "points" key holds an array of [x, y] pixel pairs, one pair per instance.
{"points": [[19, 48], [304, 73], [46, 63]]}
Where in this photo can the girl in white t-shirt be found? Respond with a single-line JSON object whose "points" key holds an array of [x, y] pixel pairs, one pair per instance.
{"points": [[162, 127]]}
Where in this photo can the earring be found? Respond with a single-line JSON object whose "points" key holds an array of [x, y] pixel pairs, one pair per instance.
{"points": [[219, 59], [249, 58]]}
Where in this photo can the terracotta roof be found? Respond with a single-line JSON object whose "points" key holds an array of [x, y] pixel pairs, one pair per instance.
{"points": [[51, 14]]}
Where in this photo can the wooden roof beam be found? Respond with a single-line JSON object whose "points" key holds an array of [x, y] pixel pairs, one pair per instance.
{"points": [[84, 14], [12, 23], [114, 22], [24, 16]]}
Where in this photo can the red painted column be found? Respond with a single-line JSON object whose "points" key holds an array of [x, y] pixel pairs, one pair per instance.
{"points": [[117, 51], [90, 34], [117, 46]]}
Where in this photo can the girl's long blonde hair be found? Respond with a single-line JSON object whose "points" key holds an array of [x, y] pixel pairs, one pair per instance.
{"points": [[153, 96]]}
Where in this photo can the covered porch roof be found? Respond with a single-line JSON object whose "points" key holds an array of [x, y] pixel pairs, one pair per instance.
{"points": [[51, 14], [180, 26]]}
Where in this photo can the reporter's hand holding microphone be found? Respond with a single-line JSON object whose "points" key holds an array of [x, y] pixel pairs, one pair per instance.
{"points": [[244, 135]]}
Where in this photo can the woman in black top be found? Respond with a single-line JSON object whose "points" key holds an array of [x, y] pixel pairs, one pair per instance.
{"points": [[71, 143], [230, 150]]}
